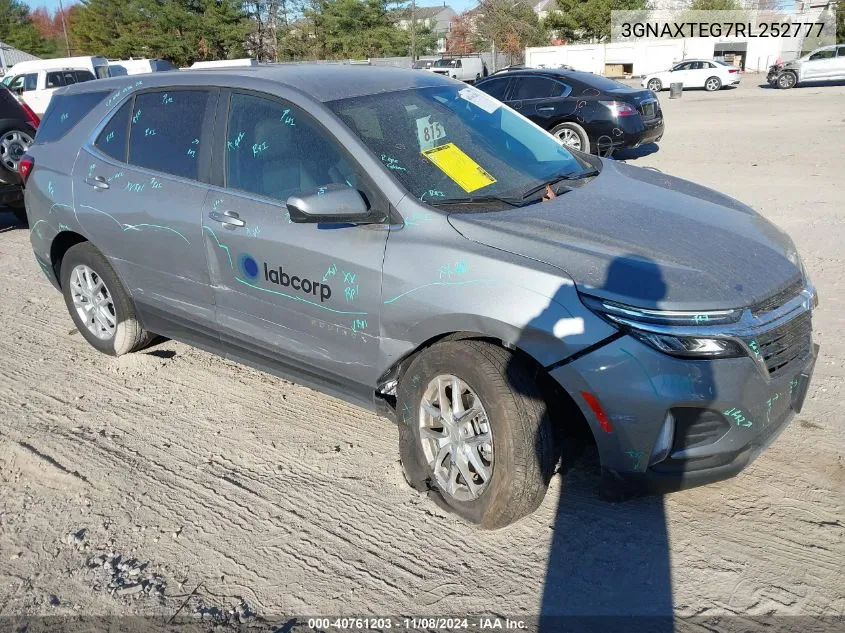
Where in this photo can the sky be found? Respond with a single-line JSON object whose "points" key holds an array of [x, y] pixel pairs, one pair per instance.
{"points": [[457, 5]]}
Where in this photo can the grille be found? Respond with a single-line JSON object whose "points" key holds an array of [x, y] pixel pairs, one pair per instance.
{"points": [[779, 298], [648, 110], [786, 343]]}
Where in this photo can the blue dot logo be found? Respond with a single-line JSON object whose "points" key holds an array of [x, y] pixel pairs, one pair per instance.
{"points": [[249, 266]]}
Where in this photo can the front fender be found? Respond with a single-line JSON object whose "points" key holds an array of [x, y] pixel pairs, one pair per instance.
{"points": [[437, 282]]}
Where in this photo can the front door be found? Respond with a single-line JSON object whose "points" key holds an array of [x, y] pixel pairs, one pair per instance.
{"points": [[138, 195], [820, 65], [304, 297]]}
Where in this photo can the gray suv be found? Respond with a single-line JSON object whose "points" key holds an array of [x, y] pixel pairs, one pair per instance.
{"points": [[407, 243]]}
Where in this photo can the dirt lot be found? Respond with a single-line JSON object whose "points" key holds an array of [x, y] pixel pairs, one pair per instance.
{"points": [[249, 491]]}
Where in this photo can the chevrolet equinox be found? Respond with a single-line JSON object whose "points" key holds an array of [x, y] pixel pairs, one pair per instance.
{"points": [[407, 243]]}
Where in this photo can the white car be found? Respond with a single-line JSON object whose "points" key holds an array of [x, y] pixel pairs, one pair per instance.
{"points": [[823, 64], [470, 68], [694, 73], [36, 80]]}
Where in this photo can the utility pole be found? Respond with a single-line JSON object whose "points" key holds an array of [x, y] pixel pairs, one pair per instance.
{"points": [[413, 31], [64, 27]]}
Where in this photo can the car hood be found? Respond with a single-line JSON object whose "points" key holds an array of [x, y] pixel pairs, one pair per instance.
{"points": [[646, 239]]}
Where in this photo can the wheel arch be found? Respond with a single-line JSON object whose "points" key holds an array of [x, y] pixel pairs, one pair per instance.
{"points": [[566, 414], [60, 245]]}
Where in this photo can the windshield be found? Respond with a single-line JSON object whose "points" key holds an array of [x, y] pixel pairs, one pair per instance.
{"points": [[445, 63], [453, 142]]}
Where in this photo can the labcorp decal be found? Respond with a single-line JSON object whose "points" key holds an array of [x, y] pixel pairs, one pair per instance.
{"points": [[279, 277]]}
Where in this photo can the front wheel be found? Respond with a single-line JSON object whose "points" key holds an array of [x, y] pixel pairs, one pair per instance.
{"points": [[713, 84], [787, 80], [655, 85], [98, 304], [474, 431]]}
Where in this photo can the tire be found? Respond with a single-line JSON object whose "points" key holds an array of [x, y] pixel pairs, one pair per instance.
{"points": [[570, 131], [713, 84], [655, 85], [15, 140], [787, 80], [19, 211], [522, 449], [127, 335]]}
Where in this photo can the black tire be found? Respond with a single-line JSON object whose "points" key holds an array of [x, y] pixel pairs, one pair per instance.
{"points": [[128, 335], [713, 84], [560, 129], [787, 80], [7, 175], [19, 211], [655, 85], [524, 448]]}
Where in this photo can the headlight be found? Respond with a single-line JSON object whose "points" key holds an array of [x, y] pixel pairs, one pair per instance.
{"points": [[650, 327]]}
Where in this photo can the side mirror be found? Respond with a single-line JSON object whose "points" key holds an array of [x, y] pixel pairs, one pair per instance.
{"points": [[331, 203]]}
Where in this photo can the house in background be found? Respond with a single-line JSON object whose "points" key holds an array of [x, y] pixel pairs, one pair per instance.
{"points": [[438, 19], [9, 56]]}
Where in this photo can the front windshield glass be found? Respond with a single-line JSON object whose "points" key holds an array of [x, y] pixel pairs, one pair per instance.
{"points": [[453, 142]]}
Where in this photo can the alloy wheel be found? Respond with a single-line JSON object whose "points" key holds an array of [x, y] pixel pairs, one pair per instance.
{"points": [[93, 302], [654, 85], [570, 138], [13, 145], [456, 437], [712, 84]]}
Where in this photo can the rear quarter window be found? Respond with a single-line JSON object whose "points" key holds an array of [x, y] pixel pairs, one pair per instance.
{"points": [[64, 112], [114, 136]]}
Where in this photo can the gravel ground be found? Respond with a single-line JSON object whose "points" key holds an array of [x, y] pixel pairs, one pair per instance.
{"points": [[172, 479]]}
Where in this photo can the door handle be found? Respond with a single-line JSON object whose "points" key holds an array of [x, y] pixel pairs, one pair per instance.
{"points": [[98, 182], [230, 218], [546, 109]]}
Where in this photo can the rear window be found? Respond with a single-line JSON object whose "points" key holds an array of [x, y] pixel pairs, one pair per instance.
{"points": [[64, 112]]}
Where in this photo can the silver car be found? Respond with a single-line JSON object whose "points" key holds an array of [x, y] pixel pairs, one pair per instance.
{"points": [[407, 243]]}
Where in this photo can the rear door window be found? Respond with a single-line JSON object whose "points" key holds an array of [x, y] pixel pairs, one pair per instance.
{"points": [[64, 112], [167, 130], [114, 136], [535, 88], [55, 79]]}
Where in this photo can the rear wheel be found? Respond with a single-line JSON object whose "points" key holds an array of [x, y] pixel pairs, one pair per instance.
{"points": [[712, 84], [572, 135], [655, 85], [102, 310], [787, 80], [15, 140], [475, 432]]}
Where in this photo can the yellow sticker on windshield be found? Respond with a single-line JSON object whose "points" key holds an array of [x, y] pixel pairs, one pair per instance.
{"points": [[453, 162]]}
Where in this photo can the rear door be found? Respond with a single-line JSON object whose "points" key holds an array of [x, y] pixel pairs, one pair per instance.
{"points": [[138, 189]]}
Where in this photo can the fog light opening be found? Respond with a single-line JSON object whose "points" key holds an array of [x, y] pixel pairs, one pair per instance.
{"points": [[664, 441]]}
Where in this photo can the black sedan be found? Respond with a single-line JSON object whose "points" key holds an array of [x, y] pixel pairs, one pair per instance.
{"points": [[587, 112], [17, 131]]}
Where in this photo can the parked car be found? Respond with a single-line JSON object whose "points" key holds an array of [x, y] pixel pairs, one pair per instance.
{"points": [[470, 68], [405, 242], [694, 73], [123, 67], [18, 124], [586, 112], [823, 64], [35, 81]]}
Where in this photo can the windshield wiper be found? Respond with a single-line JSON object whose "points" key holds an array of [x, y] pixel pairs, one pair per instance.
{"points": [[554, 181], [514, 202]]}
